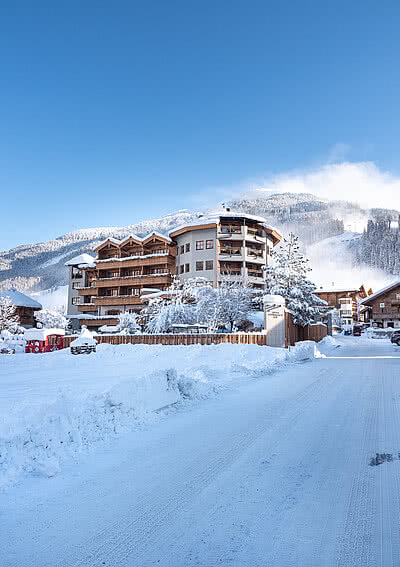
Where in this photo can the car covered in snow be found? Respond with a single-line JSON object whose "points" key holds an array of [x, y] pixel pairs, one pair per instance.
{"points": [[395, 338]]}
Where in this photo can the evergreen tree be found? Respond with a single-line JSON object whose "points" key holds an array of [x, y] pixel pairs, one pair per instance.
{"points": [[8, 315], [287, 276]]}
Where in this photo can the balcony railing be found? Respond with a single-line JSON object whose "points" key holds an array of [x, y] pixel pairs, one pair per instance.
{"points": [[231, 251], [230, 230]]}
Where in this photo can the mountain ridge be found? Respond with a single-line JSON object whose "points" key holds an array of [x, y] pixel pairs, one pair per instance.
{"points": [[39, 266]]}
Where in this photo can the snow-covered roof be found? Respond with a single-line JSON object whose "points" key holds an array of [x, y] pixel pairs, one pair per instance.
{"points": [[382, 291], [81, 259], [139, 239], [215, 217], [20, 300], [337, 290], [41, 334]]}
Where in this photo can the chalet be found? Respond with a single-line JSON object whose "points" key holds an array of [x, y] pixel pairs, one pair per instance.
{"points": [[116, 280], [346, 300], [384, 306], [25, 307]]}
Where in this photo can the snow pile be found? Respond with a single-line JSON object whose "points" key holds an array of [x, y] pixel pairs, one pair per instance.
{"points": [[328, 342], [85, 338], [376, 333], [14, 343], [54, 406]]}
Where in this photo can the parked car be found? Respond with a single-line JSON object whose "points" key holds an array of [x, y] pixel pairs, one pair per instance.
{"points": [[395, 338]]}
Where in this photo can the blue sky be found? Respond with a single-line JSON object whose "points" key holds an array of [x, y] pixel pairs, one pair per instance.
{"points": [[112, 112]]}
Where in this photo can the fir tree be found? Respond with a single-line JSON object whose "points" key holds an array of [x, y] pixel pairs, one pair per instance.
{"points": [[287, 276], [8, 315]]}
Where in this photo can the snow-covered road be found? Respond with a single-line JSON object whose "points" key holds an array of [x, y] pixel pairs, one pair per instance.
{"points": [[276, 473]]}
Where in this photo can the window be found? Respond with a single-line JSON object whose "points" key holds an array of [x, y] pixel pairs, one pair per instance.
{"points": [[182, 249], [187, 267], [199, 266], [209, 244], [200, 245], [182, 268], [113, 312], [177, 270], [188, 247], [209, 264], [76, 285], [76, 300]]}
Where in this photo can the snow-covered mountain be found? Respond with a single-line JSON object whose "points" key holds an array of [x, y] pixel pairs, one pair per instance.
{"points": [[37, 267]]}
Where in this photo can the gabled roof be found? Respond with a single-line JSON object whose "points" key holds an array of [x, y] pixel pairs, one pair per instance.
{"points": [[380, 292], [82, 259], [158, 235], [138, 239], [113, 241], [20, 300]]}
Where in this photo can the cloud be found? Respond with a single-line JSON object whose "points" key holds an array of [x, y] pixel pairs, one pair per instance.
{"points": [[361, 182]]}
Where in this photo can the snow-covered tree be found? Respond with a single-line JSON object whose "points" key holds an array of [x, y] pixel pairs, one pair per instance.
{"points": [[287, 276], [8, 315], [196, 301], [128, 324], [51, 319], [225, 305]]}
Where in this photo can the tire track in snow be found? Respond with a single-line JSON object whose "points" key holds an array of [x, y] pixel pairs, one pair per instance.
{"points": [[124, 542], [355, 544]]}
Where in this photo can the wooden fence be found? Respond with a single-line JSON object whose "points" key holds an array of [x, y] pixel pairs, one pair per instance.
{"points": [[208, 339], [315, 332], [293, 335]]}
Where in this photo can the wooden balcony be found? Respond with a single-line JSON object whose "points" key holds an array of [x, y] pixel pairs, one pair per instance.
{"points": [[135, 281], [83, 307], [99, 322], [118, 300], [395, 315], [157, 259], [82, 291]]}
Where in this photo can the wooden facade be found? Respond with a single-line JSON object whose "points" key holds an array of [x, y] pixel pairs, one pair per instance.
{"points": [[384, 306], [124, 271], [336, 299], [26, 316]]}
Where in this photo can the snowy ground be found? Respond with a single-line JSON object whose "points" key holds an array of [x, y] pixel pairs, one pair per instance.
{"points": [[274, 471], [55, 406]]}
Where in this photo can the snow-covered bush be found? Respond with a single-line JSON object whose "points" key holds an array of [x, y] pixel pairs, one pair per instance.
{"points": [[8, 315], [287, 276], [127, 324], [51, 319]]}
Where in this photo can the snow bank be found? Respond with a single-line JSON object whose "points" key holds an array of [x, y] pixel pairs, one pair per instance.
{"points": [[54, 406]]}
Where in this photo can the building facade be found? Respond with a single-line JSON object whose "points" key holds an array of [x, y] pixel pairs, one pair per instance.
{"points": [[116, 280], [225, 245], [384, 306], [78, 277], [346, 300]]}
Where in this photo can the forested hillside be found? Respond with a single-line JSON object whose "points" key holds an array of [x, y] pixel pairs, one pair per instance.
{"points": [[379, 246]]}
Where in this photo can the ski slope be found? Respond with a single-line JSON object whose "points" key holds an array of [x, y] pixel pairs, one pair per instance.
{"points": [[275, 472], [332, 261]]}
